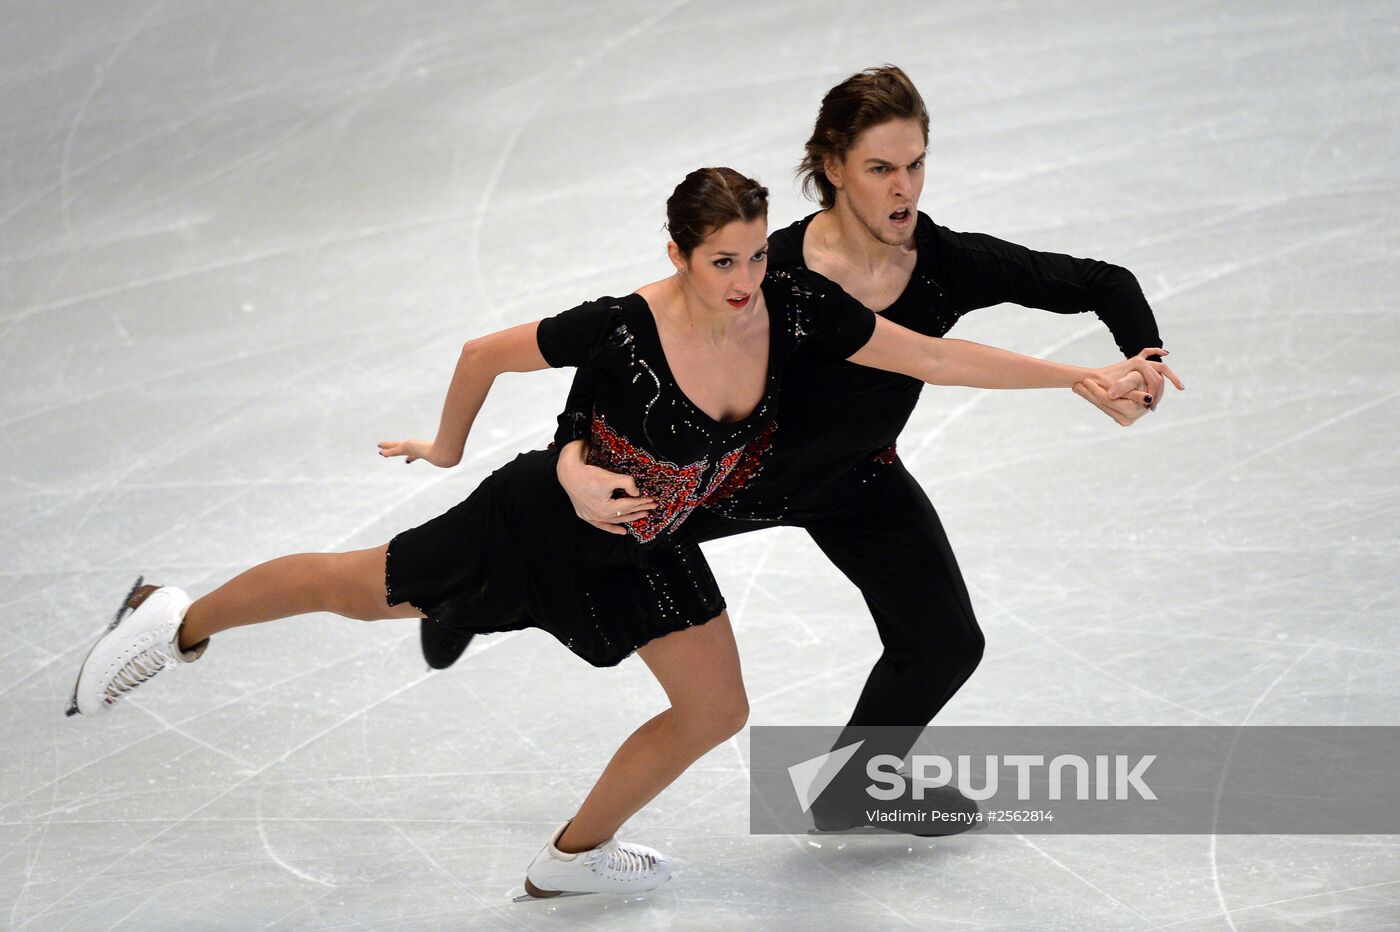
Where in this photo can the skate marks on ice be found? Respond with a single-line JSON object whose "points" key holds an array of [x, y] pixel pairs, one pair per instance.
{"points": [[225, 272]]}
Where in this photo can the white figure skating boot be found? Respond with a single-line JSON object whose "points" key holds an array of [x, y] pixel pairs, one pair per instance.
{"points": [[612, 867], [139, 643]]}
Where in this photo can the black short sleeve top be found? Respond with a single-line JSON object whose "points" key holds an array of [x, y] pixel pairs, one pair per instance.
{"points": [[639, 421]]}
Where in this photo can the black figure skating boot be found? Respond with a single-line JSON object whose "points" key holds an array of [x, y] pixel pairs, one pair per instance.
{"points": [[442, 644], [844, 809]]}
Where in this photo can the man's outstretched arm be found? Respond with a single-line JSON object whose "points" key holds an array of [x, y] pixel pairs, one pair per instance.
{"points": [[980, 271]]}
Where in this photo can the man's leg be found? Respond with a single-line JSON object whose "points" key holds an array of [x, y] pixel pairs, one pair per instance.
{"points": [[892, 546], [888, 541]]}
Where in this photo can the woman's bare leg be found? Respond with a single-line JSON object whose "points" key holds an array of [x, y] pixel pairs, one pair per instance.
{"points": [[349, 584], [699, 670]]}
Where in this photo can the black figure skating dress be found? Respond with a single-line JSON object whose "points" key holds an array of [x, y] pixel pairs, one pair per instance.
{"points": [[514, 554]]}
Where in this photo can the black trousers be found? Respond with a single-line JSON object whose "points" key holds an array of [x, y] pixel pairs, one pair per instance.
{"points": [[885, 536]]}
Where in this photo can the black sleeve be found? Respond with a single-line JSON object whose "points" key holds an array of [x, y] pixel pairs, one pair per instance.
{"points": [[983, 270], [569, 338], [576, 419], [838, 325]]}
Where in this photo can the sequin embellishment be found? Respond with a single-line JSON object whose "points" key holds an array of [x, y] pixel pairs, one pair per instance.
{"points": [[749, 466], [678, 490]]}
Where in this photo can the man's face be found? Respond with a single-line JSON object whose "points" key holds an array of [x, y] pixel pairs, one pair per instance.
{"points": [[882, 177]]}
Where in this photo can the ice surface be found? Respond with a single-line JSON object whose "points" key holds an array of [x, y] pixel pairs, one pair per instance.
{"points": [[240, 243]]}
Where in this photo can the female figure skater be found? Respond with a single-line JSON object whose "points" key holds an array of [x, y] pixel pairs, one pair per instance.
{"points": [[683, 373]]}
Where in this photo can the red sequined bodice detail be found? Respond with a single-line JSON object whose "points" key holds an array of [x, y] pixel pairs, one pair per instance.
{"points": [[678, 490]]}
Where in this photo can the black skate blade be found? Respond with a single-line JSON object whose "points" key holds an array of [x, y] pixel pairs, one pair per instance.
{"points": [[72, 709], [527, 898], [878, 830], [122, 610], [546, 895]]}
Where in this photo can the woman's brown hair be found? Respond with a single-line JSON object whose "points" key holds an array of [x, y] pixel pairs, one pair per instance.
{"points": [[872, 97], [709, 198]]}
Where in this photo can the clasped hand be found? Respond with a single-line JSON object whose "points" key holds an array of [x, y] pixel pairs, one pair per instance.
{"points": [[606, 500], [1127, 390]]}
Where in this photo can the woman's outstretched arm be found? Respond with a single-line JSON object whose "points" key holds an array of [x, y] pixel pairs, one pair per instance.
{"points": [[513, 350], [940, 361]]}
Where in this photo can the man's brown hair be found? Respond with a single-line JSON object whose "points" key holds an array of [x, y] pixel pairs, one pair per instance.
{"points": [[872, 97]]}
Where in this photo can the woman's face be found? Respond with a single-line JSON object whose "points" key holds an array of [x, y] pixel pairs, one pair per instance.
{"points": [[726, 268]]}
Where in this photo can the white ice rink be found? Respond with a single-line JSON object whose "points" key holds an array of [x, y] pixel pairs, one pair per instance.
{"points": [[240, 243]]}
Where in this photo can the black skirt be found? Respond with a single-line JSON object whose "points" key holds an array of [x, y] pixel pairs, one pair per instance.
{"points": [[514, 555]]}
